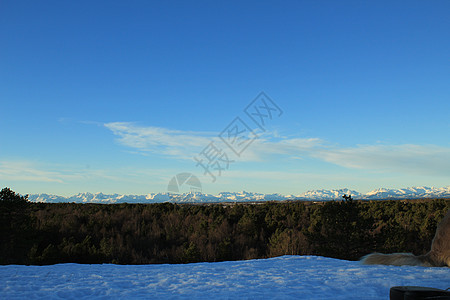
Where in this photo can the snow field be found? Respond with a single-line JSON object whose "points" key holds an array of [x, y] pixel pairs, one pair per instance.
{"points": [[286, 277]]}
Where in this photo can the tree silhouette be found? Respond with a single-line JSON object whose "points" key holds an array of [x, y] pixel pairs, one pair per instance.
{"points": [[14, 226], [347, 198], [9, 196]]}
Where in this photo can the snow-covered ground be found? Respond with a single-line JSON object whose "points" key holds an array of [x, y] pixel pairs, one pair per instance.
{"points": [[286, 277]]}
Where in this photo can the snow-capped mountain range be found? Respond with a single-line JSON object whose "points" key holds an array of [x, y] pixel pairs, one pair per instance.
{"points": [[316, 195]]}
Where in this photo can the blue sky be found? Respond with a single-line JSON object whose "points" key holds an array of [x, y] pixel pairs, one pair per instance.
{"points": [[118, 97]]}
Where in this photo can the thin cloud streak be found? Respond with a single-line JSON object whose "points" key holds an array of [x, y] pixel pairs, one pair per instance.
{"points": [[263, 148], [420, 159], [186, 144], [407, 158], [67, 174], [26, 171], [181, 144]]}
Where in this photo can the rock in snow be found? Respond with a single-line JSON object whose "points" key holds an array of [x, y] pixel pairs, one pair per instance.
{"points": [[286, 277]]}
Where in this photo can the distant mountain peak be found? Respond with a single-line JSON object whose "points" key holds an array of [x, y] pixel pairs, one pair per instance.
{"points": [[244, 196]]}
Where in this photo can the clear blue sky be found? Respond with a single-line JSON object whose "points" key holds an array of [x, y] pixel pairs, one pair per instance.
{"points": [[119, 96]]}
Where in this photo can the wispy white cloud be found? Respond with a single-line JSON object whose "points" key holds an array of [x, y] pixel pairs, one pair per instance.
{"points": [[177, 143], [186, 144], [267, 146], [421, 159], [27, 171], [47, 172], [407, 158]]}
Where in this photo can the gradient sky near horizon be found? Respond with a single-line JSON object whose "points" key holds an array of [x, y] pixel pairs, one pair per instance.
{"points": [[119, 96]]}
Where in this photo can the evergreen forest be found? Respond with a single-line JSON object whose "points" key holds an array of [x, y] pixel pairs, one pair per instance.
{"points": [[49, 233]]}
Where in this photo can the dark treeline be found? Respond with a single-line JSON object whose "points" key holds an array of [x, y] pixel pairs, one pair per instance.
{"points": [[39, 233]]}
